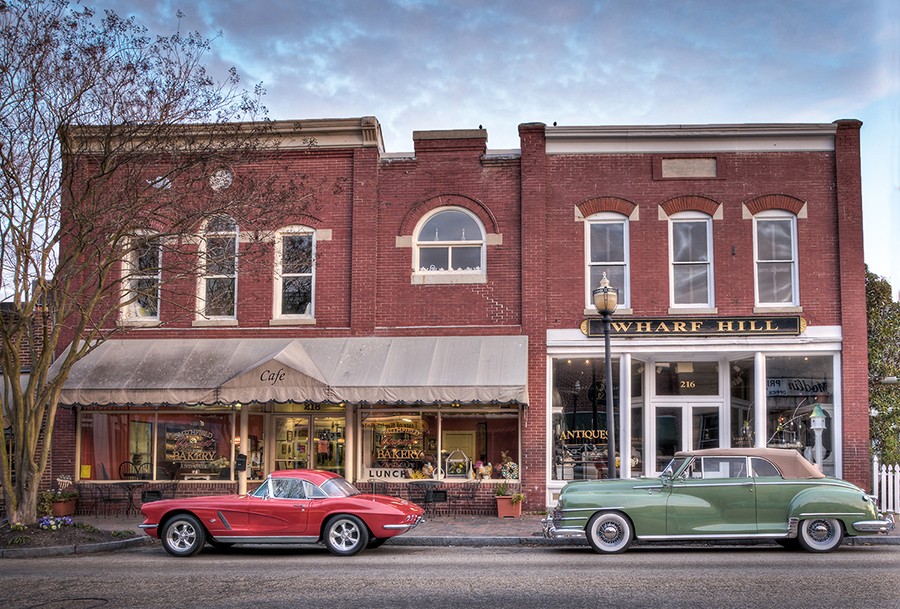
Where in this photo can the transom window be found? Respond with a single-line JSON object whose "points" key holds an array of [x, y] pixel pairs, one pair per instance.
{"points": [[450, 240], [294, 272], [775, 251], [141, 276], [606, 238], [218, 285], [691, 273]]}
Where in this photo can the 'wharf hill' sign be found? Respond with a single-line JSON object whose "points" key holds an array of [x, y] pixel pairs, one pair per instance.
{"points": [[697, 326]]}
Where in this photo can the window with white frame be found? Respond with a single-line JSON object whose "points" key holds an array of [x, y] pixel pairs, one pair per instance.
{"points": [[775, 252], [141, 277], [690, 253], [218, 282], [606, 238], [449, 241], [294, 272]]}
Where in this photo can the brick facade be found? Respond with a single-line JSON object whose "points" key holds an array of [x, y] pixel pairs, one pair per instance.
{"points": [[532, 204]]}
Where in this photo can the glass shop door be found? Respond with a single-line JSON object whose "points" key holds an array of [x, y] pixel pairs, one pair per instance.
{"points": [[310, 441]]}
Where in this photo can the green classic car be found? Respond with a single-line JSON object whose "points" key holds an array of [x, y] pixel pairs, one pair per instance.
{"points": [[727, 493]]}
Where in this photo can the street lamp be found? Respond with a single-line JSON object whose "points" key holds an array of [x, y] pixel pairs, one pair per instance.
{"points": [[817, 424], [606, 299]]}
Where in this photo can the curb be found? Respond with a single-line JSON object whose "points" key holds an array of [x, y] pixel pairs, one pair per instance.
{"points": [[436, 541], [85, 548], [481, 542]]}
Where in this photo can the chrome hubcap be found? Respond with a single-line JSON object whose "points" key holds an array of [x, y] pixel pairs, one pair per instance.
{"points": [[609, 532], [820, 531], [182, 536], [344, 535]]}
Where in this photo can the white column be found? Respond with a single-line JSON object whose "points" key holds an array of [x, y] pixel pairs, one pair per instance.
{"points": [[625, 415], [759, 399]]}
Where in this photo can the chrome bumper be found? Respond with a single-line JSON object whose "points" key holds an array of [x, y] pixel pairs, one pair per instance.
{"points": [[407, 526], [551, 531], [874, 526]]}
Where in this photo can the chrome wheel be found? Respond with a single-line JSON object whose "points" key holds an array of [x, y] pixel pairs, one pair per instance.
{"points": [[820, 534], [183, 535], [609, 533], [345, 535]]}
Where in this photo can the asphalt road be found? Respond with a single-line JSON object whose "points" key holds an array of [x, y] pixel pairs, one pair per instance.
{"points": [[461, 578]]}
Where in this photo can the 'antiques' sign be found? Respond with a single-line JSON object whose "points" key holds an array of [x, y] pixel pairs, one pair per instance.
{"points": [[699, 326]]}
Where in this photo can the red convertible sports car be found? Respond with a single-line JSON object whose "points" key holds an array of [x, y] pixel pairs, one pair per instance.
{"points": [[290, 507]]}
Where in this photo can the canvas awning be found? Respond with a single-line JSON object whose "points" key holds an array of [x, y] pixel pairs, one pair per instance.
{"points": [[382, 370]]}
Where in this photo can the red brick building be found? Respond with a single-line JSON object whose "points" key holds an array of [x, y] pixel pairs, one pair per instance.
{"points": [[425, 318]]}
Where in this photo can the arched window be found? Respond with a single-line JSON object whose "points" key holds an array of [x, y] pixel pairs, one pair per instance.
{"points": [[218, 260], [691, 257], [606, 248], [449, 241], [775, 253], [295, 255]]}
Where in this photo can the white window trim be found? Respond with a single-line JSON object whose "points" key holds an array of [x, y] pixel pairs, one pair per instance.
{"points": [[202, 317], [129, 274], [277, 315], [420, 277], [624, 290], [709, 306], [776, 214]]}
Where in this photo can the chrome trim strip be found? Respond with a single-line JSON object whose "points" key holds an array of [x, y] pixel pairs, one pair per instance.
{"points": [[398, 526], [267, 540], [831, 514], [719, 536], [148, 526]]}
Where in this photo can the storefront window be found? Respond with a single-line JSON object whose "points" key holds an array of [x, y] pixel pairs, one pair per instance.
{"points": [[794, 385], [194, 446], [742, 435], [119, 446], [448, 446], [579, 418], [116, 446]]}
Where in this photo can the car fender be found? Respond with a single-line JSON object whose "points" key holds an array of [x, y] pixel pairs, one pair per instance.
{"points": [[847, 504], [643, 504]]}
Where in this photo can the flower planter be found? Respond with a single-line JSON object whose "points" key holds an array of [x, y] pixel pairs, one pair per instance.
{"points": [[63, 508], [507, 509]]}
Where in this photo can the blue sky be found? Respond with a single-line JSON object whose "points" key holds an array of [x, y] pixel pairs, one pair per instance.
{"points": [[441, 64]]}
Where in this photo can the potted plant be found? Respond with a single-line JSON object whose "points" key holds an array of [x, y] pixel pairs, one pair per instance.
{"points": [[58, 502], [509, 504]]}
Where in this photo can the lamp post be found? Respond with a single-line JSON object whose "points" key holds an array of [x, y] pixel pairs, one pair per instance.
{"points": [[606, 299], [817, 424]]}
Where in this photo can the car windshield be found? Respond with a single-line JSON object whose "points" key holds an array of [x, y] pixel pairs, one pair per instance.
{"points": [[673, 466], [338, 487]]}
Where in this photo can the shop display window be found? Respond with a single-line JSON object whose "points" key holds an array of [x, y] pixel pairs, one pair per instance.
{"points": [[742, 412], [443, 446], [794, 386], [120, 446], [579, 418]]}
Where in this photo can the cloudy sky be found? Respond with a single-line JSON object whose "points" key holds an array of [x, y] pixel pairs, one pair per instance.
{"points": [[454, 64]]}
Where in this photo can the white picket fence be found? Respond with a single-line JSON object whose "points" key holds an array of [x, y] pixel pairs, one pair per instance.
{"points": [[886, 486]]}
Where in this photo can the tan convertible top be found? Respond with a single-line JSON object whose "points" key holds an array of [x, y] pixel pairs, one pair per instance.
{"points": [[790, 462]]}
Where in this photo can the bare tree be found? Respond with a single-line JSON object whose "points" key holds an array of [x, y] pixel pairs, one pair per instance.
{"points": [[109, 138]]}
